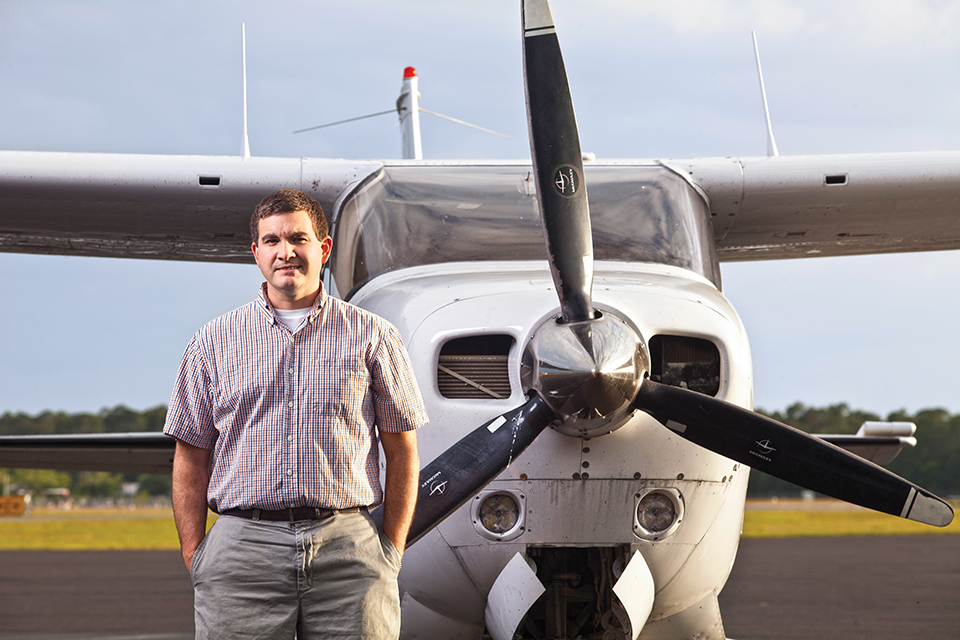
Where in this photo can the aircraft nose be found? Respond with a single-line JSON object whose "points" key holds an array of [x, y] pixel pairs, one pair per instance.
{"points": [[587, 372]]}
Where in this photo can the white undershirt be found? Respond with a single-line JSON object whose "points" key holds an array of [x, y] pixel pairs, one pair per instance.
{"points": [[292, 317]]}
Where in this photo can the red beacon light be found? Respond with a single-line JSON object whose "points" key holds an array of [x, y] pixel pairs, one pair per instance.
{"points": [[409, 72]]}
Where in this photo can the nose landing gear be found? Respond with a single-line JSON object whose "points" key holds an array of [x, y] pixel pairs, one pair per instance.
{"points": [[579, 601]]}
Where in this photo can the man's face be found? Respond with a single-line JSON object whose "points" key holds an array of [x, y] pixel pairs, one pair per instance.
{"points": [[290, 256]]}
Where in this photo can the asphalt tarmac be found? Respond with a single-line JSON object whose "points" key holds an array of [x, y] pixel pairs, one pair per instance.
{"points": [[846, 588]]}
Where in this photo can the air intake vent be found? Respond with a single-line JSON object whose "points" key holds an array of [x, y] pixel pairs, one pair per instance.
{"points": [[475, 367], [691, 363]]}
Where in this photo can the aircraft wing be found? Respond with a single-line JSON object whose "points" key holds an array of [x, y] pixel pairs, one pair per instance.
{"points": [[151, 206], [830, 205], [878, 450], [116, 452], [878, 442], [198, 207]]}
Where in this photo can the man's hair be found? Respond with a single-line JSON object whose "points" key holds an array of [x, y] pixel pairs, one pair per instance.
{"points": [[288, 201]]}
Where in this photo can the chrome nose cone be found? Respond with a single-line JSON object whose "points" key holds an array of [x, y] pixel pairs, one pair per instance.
{"points": [[587, 372]]}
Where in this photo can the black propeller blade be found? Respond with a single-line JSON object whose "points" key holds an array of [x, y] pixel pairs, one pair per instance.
{"points": [[557, 163], [787, 453], [457, 474]]}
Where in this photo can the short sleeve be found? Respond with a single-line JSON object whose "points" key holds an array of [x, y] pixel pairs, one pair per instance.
{"points": [[190, 414], [397, 398]]}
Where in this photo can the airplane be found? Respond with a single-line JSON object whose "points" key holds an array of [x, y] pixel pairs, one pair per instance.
{"points": [[590, 396]]}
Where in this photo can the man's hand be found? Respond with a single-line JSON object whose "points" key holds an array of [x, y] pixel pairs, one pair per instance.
{"points": [[191, 476], [400, 486]]}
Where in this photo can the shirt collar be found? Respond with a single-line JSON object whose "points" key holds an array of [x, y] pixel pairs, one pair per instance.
{"points": [[268, 309]]}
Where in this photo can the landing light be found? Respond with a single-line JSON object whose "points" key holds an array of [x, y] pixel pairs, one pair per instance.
{"points": [[498, 515], [658, 513]]}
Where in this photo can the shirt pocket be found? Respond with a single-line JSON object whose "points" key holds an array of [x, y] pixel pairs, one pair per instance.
{"points": [[339, 388]]}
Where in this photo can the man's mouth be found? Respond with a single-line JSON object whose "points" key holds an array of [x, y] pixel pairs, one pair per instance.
{"points": [[289, 268]]}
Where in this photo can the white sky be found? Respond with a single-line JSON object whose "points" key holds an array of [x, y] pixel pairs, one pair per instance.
{"points": [[650, 78]]}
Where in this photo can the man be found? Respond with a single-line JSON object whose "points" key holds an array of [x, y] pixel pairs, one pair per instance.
{"points": [[276, 411]]}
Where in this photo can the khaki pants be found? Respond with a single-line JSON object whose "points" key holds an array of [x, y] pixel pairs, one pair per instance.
{"points": [[327, 579]]}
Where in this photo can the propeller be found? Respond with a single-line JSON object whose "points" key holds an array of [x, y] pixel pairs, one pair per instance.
{"points": [[721, 427], [588, 372]]}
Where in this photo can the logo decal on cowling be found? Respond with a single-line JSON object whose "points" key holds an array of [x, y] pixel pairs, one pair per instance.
{"points": [[438, 487], [567, 181]]}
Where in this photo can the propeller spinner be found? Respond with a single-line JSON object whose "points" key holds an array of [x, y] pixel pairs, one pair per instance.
{"points": [[588, 372]]}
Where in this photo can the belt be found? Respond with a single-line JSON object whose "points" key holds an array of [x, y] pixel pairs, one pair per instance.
{"points": [[292, 514]]}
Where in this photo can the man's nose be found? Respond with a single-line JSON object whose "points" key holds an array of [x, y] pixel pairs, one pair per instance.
{"points": [[286, 249]]}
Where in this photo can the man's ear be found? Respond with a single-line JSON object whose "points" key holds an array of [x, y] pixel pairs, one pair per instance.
{"points": [[327, 244], [253, 247]]}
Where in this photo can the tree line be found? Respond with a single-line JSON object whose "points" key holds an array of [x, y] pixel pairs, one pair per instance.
{"points": [[933, 464]]}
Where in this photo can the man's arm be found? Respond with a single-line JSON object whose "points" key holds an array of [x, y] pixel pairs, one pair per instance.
{"points": [[400, 486], [191, 476]]}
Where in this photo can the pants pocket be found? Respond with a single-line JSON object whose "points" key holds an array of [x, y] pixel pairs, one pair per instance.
{"points": [[390, 553], [198, 555]]}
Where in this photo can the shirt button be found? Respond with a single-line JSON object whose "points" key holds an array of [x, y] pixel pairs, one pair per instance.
{"points": [[289, 472], [290, 404], [290, 369], [289, 438]]}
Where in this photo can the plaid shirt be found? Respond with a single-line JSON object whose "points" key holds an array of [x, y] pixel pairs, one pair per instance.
{"points": [[291, 416]]}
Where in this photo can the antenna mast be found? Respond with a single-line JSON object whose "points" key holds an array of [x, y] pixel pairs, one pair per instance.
{"points": [[245, 142], [771, 143]]}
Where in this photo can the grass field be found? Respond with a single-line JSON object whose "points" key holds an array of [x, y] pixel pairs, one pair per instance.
{"points": [[94, 529], [154, 528], [786, 519]]}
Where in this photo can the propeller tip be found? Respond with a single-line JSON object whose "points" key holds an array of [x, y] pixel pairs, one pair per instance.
{"points": [[930, 509]]}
